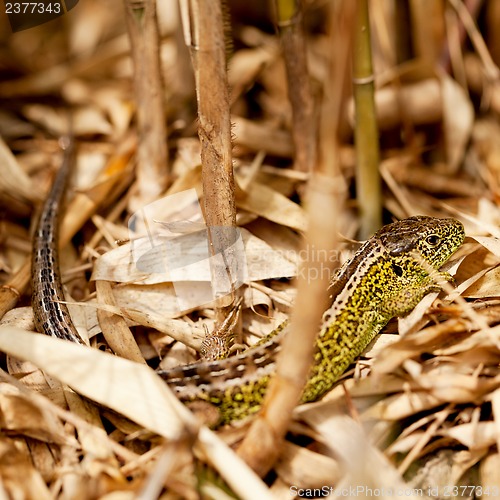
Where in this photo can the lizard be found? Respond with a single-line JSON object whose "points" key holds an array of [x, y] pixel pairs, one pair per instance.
{"points": [[385, 278]]}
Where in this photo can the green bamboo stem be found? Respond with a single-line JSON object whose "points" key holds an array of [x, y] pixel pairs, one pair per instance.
{"points": [[368, 181]]}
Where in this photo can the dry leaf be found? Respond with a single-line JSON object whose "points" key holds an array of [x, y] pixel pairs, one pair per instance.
{"points": [[128, 388], [458, 117]]}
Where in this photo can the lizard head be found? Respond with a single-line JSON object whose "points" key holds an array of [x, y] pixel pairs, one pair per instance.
{"points": [[435, 239]]}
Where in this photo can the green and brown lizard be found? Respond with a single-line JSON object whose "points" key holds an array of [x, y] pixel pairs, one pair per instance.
{"points": [[384, 279]]}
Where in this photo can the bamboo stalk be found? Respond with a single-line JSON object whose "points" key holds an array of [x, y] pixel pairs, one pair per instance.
{"points": [[299, 88], [368, 182], [427, 24], [204, 33], [152, 156], [401, 31]]}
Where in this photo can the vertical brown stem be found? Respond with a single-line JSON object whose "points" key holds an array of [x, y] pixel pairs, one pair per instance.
{"points": [[299, 88], [209, 62], [401, 30], [152, 148], [427, 24]]}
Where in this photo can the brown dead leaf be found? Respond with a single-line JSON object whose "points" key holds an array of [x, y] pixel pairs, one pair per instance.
{"points": [[22, 416], [141, 262], [13, 179], [130, 389], [262, 137], [402, 405], [300, 466], [475, 436], [126, 387], [490, 472], [414, 345], [19, 478], [490, 243], [454, 387]]}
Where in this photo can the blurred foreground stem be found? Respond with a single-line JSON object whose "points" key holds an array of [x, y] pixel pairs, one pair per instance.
{"points": [[325, 199]]}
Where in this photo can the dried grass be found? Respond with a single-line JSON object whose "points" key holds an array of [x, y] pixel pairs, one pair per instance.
{"points": [[418, 413]]}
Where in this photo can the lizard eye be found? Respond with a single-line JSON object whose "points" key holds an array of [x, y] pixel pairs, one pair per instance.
{"points": [[433, 240]]}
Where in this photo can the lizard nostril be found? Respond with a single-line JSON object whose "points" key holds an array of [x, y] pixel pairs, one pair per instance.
{"points": [[398, 270]]}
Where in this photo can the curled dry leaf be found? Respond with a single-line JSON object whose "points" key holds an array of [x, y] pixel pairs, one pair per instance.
{"points": [[490, 243], [414, 345], [20, 477], [13, 179], [454, 387], [475, 436], [305, 467], [367, 468], [402, 405], [270, 204], [440, 384], [262, 137], [245, 65]]}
